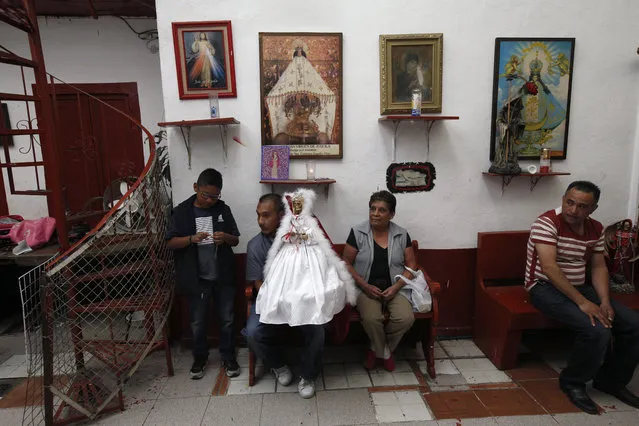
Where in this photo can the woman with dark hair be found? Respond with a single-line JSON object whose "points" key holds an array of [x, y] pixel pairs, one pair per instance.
{"points": [[376, 252]]}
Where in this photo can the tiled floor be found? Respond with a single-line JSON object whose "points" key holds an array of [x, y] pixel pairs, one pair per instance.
{"points": [[468, 390]]}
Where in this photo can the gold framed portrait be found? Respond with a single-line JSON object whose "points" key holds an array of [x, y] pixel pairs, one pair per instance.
{"points": [[408, 62]]}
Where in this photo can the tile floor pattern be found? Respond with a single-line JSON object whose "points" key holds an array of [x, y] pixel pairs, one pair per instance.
{"points": [[468, 390]]}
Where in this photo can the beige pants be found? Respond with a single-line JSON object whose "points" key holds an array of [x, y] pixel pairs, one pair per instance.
{"points": [[401, 319]]}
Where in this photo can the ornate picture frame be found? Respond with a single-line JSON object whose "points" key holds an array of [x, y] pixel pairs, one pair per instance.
{"points": [[204, 59], [532, 86], [301, 93], [408, 61], [410, 177]]}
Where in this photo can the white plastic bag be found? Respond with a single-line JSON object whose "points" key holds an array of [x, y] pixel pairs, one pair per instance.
{"points": [[416, 291]]}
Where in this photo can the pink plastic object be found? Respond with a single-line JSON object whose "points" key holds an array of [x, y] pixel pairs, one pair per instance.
{"points": [[36, 232]]}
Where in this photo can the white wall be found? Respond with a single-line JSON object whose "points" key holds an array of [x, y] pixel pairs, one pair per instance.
{"points": [[603, 114], [80, 51]]}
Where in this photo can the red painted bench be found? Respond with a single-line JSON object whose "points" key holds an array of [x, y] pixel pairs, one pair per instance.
{"points": [[426, 322], [502, 307]]}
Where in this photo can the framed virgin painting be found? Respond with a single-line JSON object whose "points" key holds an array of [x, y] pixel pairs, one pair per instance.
{"points": [[301, 92], [531, 97], [204, 59], [409, 62]]}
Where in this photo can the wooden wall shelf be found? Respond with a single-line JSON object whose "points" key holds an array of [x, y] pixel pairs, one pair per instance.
{"points": [[326, 182], [185, 129], [534, 177], [428, 121]]}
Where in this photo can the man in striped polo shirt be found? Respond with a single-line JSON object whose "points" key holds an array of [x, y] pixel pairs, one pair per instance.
{"points": [[567, 280]]}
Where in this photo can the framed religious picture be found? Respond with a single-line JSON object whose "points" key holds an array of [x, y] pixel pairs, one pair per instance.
{"points": [[407, 63], [410, 177], [275, 162], [532, 83], [301, 92], [204, 59]]}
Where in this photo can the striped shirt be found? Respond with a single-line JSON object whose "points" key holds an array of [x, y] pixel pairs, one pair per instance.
{"points": [[573, 250]]}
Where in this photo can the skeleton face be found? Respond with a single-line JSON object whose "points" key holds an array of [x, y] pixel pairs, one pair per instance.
{"points": [[298, 205]]}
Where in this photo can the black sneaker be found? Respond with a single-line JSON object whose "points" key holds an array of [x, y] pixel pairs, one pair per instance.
{"points": [[232, 368], [197, 369]]}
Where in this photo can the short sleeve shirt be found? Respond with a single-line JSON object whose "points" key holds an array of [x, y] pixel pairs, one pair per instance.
{"points": [[573, 250], [206, 249], [256, 253]]}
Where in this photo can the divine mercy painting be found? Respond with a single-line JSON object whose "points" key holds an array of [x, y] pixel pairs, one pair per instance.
{"points": [[531, 97], [204, 59], [301, 93]]}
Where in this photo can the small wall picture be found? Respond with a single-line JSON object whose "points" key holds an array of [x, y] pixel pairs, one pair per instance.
{"points": [[204, 59], [410, 177], [275, 162]]}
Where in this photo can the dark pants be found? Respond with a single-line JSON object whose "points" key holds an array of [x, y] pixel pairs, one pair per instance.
{"points": [[199, 309], [263, 339], [593, 357]]}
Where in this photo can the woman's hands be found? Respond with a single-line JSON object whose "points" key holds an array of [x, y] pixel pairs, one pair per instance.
{"points": [[385, 296], [372, 291]]}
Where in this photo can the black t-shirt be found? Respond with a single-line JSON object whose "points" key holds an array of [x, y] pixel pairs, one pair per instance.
{"points": [[379, 275]]}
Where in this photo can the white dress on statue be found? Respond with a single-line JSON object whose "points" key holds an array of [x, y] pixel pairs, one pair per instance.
{"points": [[305, 281]]}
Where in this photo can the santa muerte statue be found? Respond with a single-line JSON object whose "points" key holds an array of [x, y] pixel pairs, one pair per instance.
{"points": [[305, 281]]}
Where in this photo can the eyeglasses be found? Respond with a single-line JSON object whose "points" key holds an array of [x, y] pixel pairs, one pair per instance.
{"points": [[210, 196]]}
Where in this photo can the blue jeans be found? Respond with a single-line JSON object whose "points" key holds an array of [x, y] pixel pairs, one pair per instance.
{"points": [[199, 309], [592, 356], [262, 338]]}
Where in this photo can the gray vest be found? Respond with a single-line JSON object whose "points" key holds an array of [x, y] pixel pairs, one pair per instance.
{"points": [[396, 247]]}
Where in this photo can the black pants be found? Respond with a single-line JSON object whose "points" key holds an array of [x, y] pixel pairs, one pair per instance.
{"points": [[593, 357]]}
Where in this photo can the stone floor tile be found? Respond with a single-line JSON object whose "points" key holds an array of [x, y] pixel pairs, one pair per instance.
{"points": [[345, 407], [414, 412], [288, 409], [182, 386], [359, 381], [134, 414], [389, 413], [336, 382], [240, 410], [178, 411], [543, 420]]}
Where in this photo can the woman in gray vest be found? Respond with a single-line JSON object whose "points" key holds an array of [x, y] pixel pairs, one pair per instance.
{"points": [[375, 252]]}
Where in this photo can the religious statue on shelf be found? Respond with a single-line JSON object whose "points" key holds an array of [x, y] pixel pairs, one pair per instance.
{"points": [[509, 127], [621, 246]]}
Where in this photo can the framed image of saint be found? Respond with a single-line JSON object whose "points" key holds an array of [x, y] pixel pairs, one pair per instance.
{"points": [[275, 162], [204, 59], [409, 62], [532, 84], [301, 92]]}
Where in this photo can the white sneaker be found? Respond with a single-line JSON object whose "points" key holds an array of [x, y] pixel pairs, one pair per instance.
{"points": [[283, 375], [306, 388]]}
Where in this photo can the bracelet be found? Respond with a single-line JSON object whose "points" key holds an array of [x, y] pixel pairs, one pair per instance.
{"points": [[190, 239]]}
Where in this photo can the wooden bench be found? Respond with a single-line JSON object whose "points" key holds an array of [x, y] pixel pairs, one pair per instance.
{"points": [[502, 307], [426, 322]]}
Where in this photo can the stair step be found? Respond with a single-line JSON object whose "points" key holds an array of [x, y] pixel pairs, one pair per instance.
{"points": [[16, 18], [17, 97], [7, 132], [9, 58]]}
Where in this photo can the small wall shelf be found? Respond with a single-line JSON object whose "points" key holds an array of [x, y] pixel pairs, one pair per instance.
{"points": [[185, 129], [428, 121], [326, 182], [534, 177]]}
